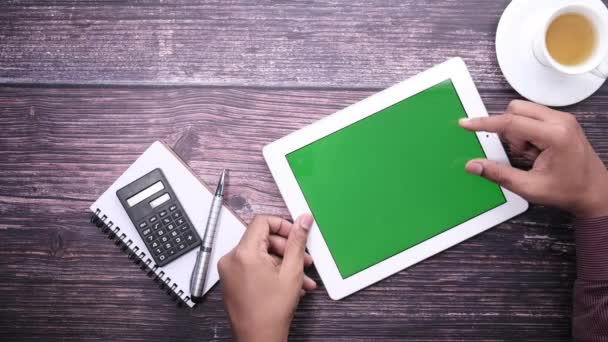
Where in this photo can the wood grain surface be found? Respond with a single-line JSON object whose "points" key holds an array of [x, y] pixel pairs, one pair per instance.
{"points": [[62, 280], [337, 44], [81, 100]]}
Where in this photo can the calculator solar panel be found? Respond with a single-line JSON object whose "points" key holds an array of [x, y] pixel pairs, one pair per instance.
{"points": [[159, 217]]}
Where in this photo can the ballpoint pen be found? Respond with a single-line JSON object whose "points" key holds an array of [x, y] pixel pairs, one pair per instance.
{"points": [[199, 273]]}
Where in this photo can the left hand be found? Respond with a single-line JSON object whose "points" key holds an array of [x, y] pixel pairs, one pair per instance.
{"points": [[261, 289]]}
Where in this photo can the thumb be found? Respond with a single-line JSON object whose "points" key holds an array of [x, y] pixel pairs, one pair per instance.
{"points": [[293, 259], [515, 180]]}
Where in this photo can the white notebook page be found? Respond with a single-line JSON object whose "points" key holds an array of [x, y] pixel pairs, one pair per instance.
{"points": [[194, 197]]}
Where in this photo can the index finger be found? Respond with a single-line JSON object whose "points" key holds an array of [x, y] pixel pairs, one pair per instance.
{"points": [[513, 125], [531, 110], [260, 228]]}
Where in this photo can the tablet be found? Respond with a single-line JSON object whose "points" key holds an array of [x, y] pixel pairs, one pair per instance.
{"points": [[385, 178]]}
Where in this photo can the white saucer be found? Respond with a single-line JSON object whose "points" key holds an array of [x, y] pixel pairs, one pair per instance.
{"points": [[532, 80]]}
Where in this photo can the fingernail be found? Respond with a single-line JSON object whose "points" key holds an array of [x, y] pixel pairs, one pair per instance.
{"points": [[474, 168], [464, 121], [306, 221]]}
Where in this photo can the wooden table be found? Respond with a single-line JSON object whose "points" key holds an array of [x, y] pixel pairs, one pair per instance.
{"points": [[88, 85]]}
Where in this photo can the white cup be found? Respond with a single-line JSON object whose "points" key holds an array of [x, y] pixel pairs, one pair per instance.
{"points": [[597, 63]]}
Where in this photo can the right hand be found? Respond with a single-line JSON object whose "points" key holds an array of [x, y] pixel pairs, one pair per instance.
{"points": [[567, 172]]}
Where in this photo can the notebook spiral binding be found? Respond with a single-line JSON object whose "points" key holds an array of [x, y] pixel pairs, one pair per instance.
{"points": [[138, 257]]}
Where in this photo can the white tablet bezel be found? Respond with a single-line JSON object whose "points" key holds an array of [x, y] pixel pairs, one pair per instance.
{"points": [[274, 153]]}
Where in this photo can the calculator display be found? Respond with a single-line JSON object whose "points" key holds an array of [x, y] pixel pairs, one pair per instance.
{"points": [[160, 200], [147, 192], [159, 217]]}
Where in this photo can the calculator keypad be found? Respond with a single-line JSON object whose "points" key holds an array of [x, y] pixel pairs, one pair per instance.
{"points": [[168, 234]]}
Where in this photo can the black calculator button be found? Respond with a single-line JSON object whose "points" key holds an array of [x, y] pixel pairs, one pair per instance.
{"points": [[146, 231], [172, 207], [160, 232], [157, 251], [156, 226], [184, 228], [189, 237], [181, 246], [155, 244], [166, 220], [178, 240], [180, 221], [143, 225], [164, 239], [174, 233], [153, 219], [170, 226], [177, 214], [150, 238], [162, 257], [168, 245], [171, 252], [162, 213]]}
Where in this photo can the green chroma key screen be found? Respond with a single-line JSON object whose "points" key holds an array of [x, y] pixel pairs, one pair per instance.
{"points": [[393, 179]]}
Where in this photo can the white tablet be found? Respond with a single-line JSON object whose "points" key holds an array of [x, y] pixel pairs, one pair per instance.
{"points": [[385, 179]]}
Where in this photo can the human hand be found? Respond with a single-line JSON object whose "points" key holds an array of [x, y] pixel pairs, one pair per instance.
{"points": [[567, 172], [261, 290]]}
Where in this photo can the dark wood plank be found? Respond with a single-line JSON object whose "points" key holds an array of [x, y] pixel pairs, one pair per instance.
{"points": [[344, 44], [62, 280]]}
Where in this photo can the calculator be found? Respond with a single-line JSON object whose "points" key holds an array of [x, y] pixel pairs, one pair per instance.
{"points": [[159, 217]]}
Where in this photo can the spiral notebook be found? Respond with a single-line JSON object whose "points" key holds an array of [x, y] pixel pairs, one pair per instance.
{"points": [[195, 197]]}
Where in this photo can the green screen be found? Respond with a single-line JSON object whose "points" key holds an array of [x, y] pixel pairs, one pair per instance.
{"points": [[393, 179]]}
